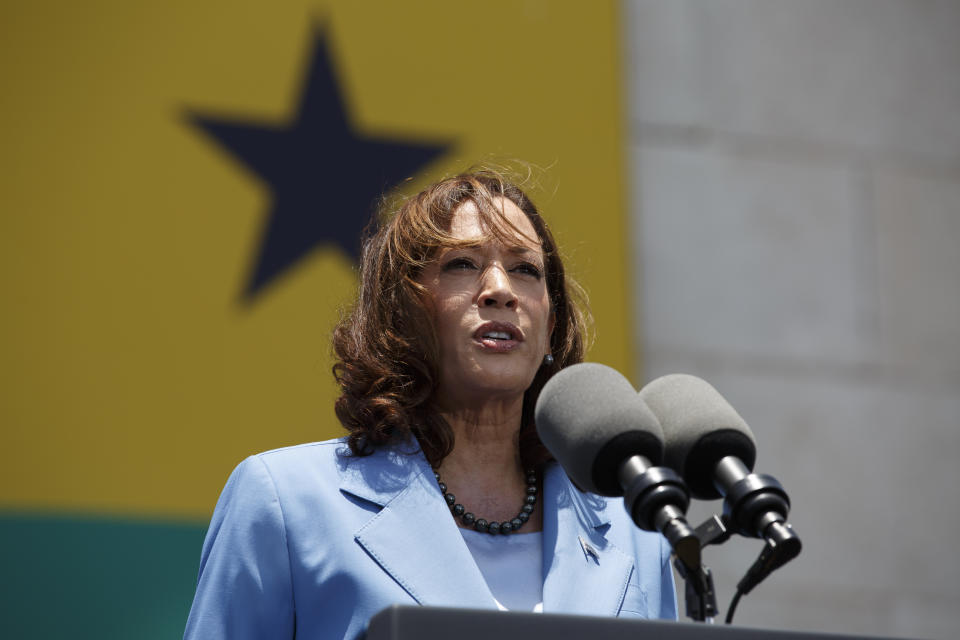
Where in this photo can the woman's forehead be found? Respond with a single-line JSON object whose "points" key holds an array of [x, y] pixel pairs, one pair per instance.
{"points": [[511, 224]]}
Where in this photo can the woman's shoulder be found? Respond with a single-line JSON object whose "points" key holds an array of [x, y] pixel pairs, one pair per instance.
{"points": [[331, 463], [301, 463], [336, 451], [306, 452], [268, 473]]}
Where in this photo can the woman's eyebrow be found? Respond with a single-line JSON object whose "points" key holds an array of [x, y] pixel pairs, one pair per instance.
{"points": [[522, 250], [479, 243]]}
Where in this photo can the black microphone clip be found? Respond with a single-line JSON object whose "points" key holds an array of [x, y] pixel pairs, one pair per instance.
{"points": [[756, 505], [657, 499]]}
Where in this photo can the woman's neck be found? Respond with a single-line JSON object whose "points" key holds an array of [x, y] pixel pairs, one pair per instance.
{"points": [[484, 471]]}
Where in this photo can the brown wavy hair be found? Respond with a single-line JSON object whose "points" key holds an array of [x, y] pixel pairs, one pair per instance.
{"points": [[385, 345]]}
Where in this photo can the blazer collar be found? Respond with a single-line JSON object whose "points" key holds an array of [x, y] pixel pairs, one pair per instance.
{"points": [[583, 572], [413, 534], [383, 475]]}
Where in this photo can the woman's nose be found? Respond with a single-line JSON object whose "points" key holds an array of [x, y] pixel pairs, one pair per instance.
{"points": [[495, 289]]}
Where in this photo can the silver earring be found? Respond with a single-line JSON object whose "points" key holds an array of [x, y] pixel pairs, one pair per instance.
{"points": [[548, 360]]}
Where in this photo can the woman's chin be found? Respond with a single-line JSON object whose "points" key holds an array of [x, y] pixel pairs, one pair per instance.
{"points": [[493, 384]]}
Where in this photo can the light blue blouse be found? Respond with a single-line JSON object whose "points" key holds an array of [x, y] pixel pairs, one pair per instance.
{"points": [[512, 566]]}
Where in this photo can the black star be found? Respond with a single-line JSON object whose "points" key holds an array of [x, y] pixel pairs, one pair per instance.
{"points": [[325, 177]]}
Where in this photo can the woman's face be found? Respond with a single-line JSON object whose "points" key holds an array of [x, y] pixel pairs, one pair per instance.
{"points": [[492, 310]]}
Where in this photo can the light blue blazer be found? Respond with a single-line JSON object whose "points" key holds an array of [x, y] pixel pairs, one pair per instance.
{"points": [[308, 543]]}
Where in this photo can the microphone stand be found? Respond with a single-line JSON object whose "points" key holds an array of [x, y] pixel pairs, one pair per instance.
{"points": [[657, 499], [755, 506], [701, 599], [700, 595]]}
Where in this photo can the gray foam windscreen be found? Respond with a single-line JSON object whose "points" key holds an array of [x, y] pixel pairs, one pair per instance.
{"points": [[591, 419], [700, 427]]}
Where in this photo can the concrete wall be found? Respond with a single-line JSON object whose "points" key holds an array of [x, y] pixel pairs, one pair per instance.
{"points": [[796, 202]]}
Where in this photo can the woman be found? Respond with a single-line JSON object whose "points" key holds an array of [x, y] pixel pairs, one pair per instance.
{"points": [[441, 494]]}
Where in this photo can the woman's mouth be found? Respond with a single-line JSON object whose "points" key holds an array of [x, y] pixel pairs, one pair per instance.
{"points": [[498, 336]]}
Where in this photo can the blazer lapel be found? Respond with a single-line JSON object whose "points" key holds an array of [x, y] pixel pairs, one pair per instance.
{"points": [[583, 572], [413, 537]]}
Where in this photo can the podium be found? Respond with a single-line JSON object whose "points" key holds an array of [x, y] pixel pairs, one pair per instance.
{"points": [[434, 623]]}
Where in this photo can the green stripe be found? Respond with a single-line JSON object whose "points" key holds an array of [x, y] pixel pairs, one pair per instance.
{"points": [[76, 577]]}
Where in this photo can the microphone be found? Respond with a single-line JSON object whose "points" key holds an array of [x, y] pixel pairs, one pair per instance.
{"points": [[608, 442], [713, 449]]}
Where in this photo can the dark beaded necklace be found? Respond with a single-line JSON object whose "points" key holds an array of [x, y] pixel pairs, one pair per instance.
{"points": [[481, 525]]}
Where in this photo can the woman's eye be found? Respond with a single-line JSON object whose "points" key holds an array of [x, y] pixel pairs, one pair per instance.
{"points": [[529, 269], [459, 264]]}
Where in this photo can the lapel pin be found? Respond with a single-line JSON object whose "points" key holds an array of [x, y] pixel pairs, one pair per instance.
{"points": [[588, 550]]}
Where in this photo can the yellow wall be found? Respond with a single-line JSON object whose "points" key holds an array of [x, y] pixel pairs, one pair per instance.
{"points": [[133, 378]]}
